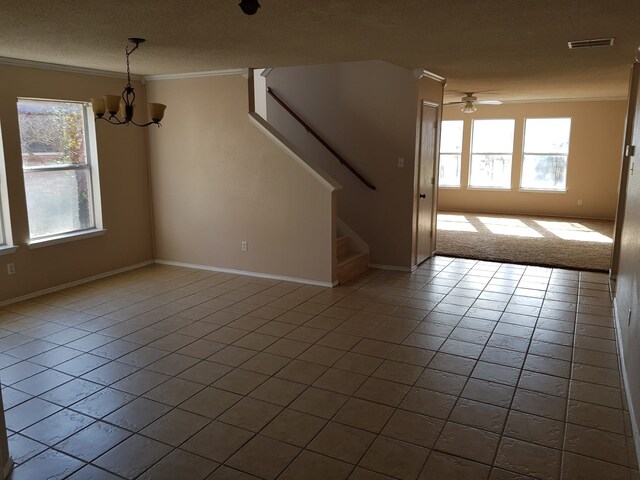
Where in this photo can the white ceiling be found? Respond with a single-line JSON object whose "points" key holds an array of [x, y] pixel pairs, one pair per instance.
{"points": [[508, 49]]}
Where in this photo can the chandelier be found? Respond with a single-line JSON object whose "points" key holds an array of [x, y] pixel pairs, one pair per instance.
{"points": [[120, 107]]}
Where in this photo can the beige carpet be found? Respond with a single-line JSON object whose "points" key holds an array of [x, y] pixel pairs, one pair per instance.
{"points": [[552, 241]]}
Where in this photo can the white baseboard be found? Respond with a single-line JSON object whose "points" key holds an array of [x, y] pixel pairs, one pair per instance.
{"points": [[75, 283], [393, 267], [625, 379], [282, 278]]}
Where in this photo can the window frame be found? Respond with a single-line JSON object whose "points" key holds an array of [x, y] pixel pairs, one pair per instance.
{"points": [[471, 154], [6, 236], [524, 153], [92, 166], [459, 154]]}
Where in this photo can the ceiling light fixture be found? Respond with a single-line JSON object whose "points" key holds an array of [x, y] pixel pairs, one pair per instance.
{"points": [[469, 107], [123, 104], [249, 7]]}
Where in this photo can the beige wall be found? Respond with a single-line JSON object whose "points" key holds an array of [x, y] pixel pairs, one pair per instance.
{"points": [[122, 154], [593, 168], [367, 111], [217, 181]]}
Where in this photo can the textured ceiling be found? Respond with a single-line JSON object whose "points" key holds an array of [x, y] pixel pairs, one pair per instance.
{"points": [[508, 49]]}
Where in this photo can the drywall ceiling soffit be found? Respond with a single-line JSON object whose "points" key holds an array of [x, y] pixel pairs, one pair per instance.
{"points": [[516, 49]]}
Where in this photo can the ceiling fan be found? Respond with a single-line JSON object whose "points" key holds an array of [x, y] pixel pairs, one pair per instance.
{"points": [[469, 103]]}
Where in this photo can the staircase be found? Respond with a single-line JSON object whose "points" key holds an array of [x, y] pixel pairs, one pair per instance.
{"points": [[350, 262]]}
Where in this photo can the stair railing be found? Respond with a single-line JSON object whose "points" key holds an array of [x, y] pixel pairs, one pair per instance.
{"points": [[321, 140]]}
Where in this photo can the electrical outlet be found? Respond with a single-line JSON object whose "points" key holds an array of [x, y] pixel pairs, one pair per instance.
{"points": [[243, 246], [401, 163], [11, 268], [580, 202]]}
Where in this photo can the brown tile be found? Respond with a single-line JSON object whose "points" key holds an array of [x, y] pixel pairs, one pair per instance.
{"points": [[133, 456], [138, 414], [606, 446], [175, 427], [240, 381], [444, 466], [140, 382], [382, 391], [232, 356], [57, 427], [263, 457], [210, 402], [488, 392], [596, 416], [205, 372], [398, 372], [539, 404], [599, 375], [101, 403], [357, 363], [250, 414], [529, 459], [313, 466], [374, 348], [217, 441], [342, 442], [278, 391], [535, 429], [452, 364], [93, 441], [496, 373], [227, 473], [364, 414], [302, 372], [320, 403], [412, 355], [440, 381], [66, 394], [395, 458], [430, 403], [413, 428], [287, 347], [503, 356], [49, 464], [174, 391], [479, 415], [599, 394], [294, 427], [578, 467], [322, 355], [265, 363], [180, 464], [548, 365], [340, 381], [468, 442]]}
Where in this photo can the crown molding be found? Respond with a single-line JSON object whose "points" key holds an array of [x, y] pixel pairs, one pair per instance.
{"points": [[17, 62], [211, 73]]}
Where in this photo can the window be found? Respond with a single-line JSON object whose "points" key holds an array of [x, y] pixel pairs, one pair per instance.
{"points": [[491, 153], [60, 170], [546, 148], [450, 151], [6, 241]]}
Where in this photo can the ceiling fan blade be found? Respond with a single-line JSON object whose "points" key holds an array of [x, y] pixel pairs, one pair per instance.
{"points": [[455, 103], [489, 102]]}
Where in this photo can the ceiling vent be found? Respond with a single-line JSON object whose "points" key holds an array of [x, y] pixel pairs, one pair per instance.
{"points": [[598, 42]]}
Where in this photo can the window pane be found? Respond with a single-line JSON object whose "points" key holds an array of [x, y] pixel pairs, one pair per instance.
{"points": [[544, 172], [490, 171], [449, 170], [493, 136], [58, 201], [451, 138], [51, 133], [547, 135]]}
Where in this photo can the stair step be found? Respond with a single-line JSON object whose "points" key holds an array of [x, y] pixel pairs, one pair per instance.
{"points": [[342, 245], [351, 264]]}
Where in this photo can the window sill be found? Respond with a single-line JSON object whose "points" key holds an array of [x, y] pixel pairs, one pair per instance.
{"points": [[7, 249], [540, 190], [67, 237], [490, 189], [449, 187]]}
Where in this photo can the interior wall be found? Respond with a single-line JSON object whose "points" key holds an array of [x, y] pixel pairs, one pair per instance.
{"points": [[593, 170], [367, 112], [218, 181], [123, 166], [627, 291]]}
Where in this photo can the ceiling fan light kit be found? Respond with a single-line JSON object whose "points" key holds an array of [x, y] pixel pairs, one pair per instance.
{"points": [[469, 103], [120, 107]]}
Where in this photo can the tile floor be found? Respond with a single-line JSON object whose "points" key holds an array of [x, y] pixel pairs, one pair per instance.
{"points": [[460, 370]]}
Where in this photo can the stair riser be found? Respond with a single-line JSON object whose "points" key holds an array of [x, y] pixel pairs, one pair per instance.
{"points": [[342, 245], [352, 268]]}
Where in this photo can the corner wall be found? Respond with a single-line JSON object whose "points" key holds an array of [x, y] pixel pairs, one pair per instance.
{"points": [[367, 112], [595, 150], [217, 180], [126, 208]]}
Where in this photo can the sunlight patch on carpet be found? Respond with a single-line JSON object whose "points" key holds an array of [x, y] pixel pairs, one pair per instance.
{"points": [[574, 231], [455, 223], [509, 226]]}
